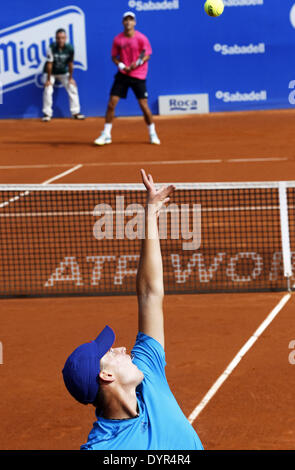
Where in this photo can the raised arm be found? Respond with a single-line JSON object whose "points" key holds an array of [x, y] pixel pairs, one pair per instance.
{"points": [[150, 287]]}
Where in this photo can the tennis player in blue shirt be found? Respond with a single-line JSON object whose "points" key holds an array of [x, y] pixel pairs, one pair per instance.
{"points": [[135, 408]]}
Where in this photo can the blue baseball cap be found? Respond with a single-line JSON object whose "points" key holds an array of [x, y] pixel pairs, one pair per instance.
{"points": [[81, 370]]}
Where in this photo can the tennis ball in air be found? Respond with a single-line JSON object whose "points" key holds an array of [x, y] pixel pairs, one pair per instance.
{"points": [[214, 7]]}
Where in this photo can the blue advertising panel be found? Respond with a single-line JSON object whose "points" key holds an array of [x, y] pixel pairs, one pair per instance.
{"points": [[242, 60]]}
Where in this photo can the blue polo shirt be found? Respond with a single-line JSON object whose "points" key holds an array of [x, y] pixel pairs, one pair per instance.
{"points": [[161, 425]]}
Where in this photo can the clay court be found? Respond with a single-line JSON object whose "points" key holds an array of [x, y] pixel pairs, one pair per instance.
{"points": [[253, 408]]}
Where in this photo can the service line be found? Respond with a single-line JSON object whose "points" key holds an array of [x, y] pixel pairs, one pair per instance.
{"points": [[142, 163]]}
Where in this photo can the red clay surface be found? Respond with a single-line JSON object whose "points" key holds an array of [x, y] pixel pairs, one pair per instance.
{"points": [[253, 408]]}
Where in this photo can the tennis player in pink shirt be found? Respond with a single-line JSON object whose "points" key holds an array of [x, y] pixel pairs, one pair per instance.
{"points": [[131, 52]]}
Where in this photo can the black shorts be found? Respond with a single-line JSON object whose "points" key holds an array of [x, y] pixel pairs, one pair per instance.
{"points": [[123, 82]]}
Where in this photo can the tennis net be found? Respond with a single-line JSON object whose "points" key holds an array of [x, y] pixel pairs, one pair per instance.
{"points": [[85, 239]]}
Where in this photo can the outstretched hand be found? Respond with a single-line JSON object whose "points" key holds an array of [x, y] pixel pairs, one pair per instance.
{"points": [[72, 82], [157, 197]]}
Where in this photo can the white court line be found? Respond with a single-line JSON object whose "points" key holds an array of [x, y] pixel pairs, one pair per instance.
{"points": [[250, 160], [61, 175], [233, 364], [26, 193], [44, 165], [157, 162]]}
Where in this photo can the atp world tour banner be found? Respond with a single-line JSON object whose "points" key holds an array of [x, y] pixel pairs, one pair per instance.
{"points": [[242, 60]]}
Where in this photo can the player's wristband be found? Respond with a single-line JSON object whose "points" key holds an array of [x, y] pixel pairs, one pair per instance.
{"points": [[121, 66]]}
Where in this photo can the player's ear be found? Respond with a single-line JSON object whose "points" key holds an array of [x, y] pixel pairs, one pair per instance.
{"points": [[106, 376]]}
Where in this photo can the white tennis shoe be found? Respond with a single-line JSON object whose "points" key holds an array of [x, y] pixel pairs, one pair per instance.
{"points": [[103, 139], [78, 116], [46, 118], [154, 139]]}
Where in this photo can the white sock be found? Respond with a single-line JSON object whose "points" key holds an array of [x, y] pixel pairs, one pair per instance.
{"points": [[108, 128], [152, 129]]}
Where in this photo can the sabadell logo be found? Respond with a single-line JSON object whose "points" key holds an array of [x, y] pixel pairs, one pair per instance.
{"points": [[149, 5], [228, 97], [242, 3], [235, 49]]}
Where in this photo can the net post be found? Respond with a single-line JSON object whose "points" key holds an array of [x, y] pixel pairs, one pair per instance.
{"points": [[285, 233]]}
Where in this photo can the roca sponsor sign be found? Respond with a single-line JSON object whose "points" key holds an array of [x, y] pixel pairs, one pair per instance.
{"points": [[184, 104], [23, 46]]}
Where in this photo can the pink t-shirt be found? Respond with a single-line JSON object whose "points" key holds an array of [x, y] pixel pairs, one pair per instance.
{"points": [[128, 50]]}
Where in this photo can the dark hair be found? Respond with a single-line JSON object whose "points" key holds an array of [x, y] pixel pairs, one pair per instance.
{"points": [[60, 30]]}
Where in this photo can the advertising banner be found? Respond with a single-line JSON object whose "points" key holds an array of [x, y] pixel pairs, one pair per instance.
{"points": [[242, 60], [184, 104]]}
